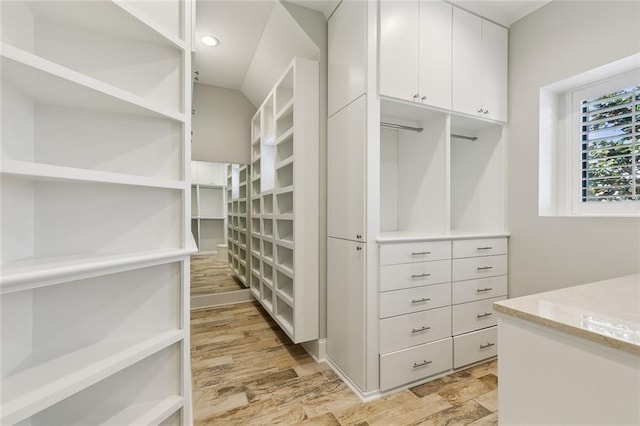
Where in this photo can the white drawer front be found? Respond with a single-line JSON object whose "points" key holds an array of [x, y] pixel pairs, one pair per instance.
{"points": [[392, 254], [478, 267], [484, 247], [417, 299], [408, 365], [473, 316], [484, 288], [414, 329], [408, 275], [474, 347]]}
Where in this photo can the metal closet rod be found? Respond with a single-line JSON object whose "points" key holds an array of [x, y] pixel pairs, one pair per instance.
{"points": [[420, 129]]}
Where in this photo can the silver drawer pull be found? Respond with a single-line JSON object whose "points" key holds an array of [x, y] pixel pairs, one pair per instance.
{"points": [[420, 275], [488, 345], [423, 363], [486, 314], [424, 299], [425, 328], [485, 248], [484, 268], [480, 290], [420, 253]]}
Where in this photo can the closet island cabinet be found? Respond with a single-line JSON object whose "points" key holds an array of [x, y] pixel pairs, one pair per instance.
{"points": [[95, 222]]}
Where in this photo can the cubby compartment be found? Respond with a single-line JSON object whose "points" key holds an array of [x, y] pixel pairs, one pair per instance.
{"points": [[242, 223], [255, 225], [477, 177], [267, 204], [255, 165], [267, 168], [242, 239], [255, 264], [255, 130], [267, 250], [255, 206], [266, 297], [413, 170], [284, 148], [284, 91], [285, 176], [49, 348], [43, 220], [267, 122], [284, 230], [267, 273], [242, 207], [50, 130], [124, 54], [255, 187], [285, 203], [255, 246], [242, 192], [149, 389], [284, 284], [284, 258], [284, 123], [254, 285], [267, 227], [284, 315], [242, 272], [242, 175]]}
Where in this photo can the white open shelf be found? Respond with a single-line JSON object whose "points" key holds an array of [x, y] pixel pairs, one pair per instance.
{"points": [[47, 172], [51, 83], [42, 385]]}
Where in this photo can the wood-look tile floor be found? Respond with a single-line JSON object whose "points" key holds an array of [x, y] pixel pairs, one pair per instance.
{"points": [[246, 371], [210, 275]]}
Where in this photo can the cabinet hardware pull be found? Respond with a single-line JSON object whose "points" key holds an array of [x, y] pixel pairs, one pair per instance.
{"points": [[424, 98], [484, 268], [486, 314], [425, 362], [424, 299], [420, 275], [358, 248], [485, 248], [415, 97], [425, 328], [486, 112], [420, 253], [480, 290], [358, 236], [480, 111], [488, 345]]}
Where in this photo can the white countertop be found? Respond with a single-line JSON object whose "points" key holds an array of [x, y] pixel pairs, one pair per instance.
{"points": [[412, 236], [607, 312]]}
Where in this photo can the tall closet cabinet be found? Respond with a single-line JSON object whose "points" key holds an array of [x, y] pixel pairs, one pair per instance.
{"points": [[95, 212], [417, 236]]}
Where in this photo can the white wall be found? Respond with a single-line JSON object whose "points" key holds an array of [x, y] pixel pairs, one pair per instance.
{"points": [[221, 125], [554, 43]]}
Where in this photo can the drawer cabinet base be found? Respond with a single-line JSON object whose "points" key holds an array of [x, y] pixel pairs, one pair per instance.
{"points": [[408, 365]]}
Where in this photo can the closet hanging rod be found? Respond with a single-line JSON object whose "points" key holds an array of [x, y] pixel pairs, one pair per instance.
{"points": [[401, 127], [469, 138]]}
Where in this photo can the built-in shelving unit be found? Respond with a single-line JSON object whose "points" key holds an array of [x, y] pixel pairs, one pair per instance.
{"points": [[238, 217], [208, 216], [284, 202], [95, 208]]}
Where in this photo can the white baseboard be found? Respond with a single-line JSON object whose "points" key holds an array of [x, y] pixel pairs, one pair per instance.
{"points": [[221, 299]]}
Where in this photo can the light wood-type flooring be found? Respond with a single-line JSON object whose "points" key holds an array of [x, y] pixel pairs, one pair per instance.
{"points": [[246, 371], [210, 275]]}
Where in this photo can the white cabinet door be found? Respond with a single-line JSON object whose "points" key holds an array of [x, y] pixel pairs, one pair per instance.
{"points": [[494, 70], [467, 62], [347, 44], [346, 172], [435, 53], [399, 22], [346, 297]]}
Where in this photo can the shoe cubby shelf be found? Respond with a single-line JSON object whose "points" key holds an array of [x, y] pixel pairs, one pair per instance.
{"points": [[95, 215], [285, 191]]}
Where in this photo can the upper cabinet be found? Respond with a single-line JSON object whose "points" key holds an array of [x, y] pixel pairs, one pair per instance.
{"points": [[479, 67], [415, 52]]}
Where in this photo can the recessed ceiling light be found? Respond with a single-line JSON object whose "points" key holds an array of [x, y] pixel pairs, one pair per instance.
{"points": [[209, 40]]}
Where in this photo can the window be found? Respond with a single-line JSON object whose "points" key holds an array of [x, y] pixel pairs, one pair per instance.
{"points": [[606, 152]]}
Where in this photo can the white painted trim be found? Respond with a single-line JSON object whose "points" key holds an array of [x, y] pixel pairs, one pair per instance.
{"points": [[317, 349], [221, 299]]}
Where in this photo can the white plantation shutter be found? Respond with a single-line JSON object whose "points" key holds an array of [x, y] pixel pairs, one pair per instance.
{"points": [[607, 158]]}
